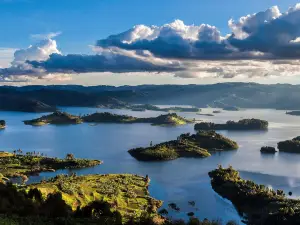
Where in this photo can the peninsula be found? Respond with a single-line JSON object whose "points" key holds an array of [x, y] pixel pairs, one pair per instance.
{"points": [[261, 204], [245, 124], [19, 164], [197, 145], [56, 118]]}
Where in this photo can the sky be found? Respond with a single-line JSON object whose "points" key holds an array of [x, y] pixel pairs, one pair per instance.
{"points": [[117, 42]]}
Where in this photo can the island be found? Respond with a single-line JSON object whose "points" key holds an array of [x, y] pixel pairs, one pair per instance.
{"points": [[260, 204], [144, 107], [205, 114], [56, 118], [19, 164], [217, 111], [268, 150], [2, 124], [197, 145], [105, 117], [292, 146], [244, 124], [293, 113], [231, 108]]}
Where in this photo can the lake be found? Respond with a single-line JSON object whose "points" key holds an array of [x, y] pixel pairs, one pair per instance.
{"points": [[177, 181]]}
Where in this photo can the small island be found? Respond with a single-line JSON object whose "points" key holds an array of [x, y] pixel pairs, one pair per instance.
{"points": [[197, 145], [293, 113], [245, 124], [292, 146], [268, 150], [259, 203], [217, 111], [19, 164], [2, 124], [144, 107], [169, 119], [57, 118], [231, 108], [205, 114]]}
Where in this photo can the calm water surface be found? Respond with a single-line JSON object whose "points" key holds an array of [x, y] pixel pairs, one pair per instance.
{"points": [[178, 181]]}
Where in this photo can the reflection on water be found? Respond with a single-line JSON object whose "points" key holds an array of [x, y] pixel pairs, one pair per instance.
{"points": [[178, 181]]}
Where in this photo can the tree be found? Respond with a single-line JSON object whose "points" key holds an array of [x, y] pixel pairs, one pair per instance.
{"points": [[70, 156]]}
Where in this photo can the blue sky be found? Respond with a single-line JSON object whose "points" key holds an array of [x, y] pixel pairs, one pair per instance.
{"points": [[83, 22]]}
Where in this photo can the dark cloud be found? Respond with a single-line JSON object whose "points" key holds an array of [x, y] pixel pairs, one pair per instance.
{"points": [[98, 63]]}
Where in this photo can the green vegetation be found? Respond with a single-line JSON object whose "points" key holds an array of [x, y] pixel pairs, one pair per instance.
{"points": [[195, 145], [293, 113], [127, 194], [17, 164], [145, 107], [231, 108], [261, 204], [292, 146], [2, 124], [268, 149], [245, 124], [168, 119], [55, 118]]}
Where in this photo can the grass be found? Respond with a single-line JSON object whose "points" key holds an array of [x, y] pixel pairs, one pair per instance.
{"points": [[126, 193], [19, 165]]}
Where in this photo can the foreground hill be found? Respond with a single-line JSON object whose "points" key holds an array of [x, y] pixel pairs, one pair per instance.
{"points": [[260, 204], [168, 119], [2, 124], [196, 145]]}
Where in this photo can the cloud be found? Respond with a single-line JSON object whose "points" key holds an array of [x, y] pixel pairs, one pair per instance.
{"points": [[264, 44], [47, 36]]}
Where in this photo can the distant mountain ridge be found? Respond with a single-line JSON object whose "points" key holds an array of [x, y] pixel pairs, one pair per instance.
{"points": [[242, 95]]}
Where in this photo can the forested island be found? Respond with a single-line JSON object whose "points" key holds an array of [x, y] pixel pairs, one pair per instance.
{"points": [[167, 119], [144, 107], [2, 124], [268, 150], [261, 204], [293, 113], [56, 118], [292, 146], [244, 124], [19, 164], [65, 118], [197, 145]]}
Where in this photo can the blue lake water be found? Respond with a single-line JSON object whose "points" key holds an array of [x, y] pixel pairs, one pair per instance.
{"points": [[180, 180]]}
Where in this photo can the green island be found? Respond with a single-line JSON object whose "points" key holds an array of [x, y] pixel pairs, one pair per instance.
{"points": [[168, 119], [231, 108], [57, 118], [268, 150], [19, 164], [244, 124], [260, 204], [144, 107], [205, 114], [197, 145], [292, 146], [2, 124], [293, 113]]}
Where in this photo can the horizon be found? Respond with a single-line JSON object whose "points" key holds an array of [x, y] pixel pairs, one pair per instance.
{"points": [[117, 43]]}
